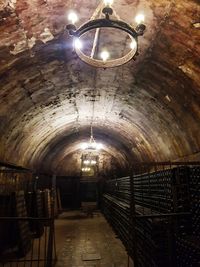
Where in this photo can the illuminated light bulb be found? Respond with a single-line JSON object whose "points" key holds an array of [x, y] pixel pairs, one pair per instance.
{"points": [[93, 162], [93, 145], [86, 162], [139, 18], [78, 44], [72, 17], [133, 44], [108, 2], [104, 55], [84, 146], [99, 146]]}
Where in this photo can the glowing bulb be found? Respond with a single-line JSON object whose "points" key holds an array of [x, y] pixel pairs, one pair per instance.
{"points": [[86, 169], [84, 146], [73, 17], [93, 162], [108, 2], [86, 162], [104, 55], [78, 44], [99, 146], [139, 18], [93, 145], [133, 45]]}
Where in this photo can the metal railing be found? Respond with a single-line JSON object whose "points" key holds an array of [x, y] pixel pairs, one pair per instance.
{"points": [[34, 251], [27, 234]]}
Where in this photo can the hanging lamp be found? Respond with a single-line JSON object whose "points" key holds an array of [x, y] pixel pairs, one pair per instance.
{"points": [[110, 19]]}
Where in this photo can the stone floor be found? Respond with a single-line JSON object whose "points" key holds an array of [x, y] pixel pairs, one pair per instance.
{"points": [[83, 241]]}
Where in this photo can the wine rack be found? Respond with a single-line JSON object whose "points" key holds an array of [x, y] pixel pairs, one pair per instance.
{"points": [[156, 215]]}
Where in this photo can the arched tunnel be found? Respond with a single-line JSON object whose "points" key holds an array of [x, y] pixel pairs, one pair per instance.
{"points": [[147, 110]]}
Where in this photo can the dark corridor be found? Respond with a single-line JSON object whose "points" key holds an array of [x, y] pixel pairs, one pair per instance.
{"points": [[154, 212], [99, 133]]}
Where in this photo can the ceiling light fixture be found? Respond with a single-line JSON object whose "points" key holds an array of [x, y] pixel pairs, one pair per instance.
{"points": [[86, 162], [98, 22], [86, 169], [77, 43], [92, 144], [72, 17], [139, 18], [104, 55]]}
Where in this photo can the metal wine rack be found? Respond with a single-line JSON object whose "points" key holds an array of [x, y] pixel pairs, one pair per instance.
{"points": [[156, 214]]}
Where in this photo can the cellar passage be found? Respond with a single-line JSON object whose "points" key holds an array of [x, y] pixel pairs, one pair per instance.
{"points": [[55, 111], [145, 110]]}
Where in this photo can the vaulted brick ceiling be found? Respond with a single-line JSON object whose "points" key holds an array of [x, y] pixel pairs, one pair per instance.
{"points": [[145, 110]]}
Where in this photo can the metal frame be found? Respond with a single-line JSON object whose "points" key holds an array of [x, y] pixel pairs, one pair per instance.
{"points": [[12, 166], [171, 218], [127, 197], [42, 251], [107, 23], [42, 248]]}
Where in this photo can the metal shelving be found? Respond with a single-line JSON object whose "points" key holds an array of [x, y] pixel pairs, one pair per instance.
{"points": [[156, 214]]}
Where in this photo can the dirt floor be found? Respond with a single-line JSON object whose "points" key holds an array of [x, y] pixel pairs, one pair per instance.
{"points": [[88, 241]]}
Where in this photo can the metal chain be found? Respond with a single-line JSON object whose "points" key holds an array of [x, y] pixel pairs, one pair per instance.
{"points": [[97, 10]]}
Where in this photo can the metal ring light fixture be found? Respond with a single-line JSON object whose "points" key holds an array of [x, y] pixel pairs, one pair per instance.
{"points": [[107, 23]]}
